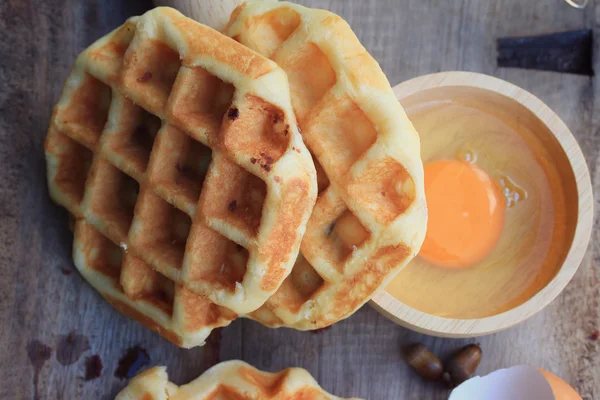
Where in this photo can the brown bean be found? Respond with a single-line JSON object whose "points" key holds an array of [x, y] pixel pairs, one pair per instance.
{"points": [[427, 364], [462, 365]]}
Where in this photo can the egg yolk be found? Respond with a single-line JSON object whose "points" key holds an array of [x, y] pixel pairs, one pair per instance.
{"points": [[466, 214]]}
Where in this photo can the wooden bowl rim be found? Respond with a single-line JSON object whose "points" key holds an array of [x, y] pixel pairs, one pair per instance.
{"points": [[422, 322]]}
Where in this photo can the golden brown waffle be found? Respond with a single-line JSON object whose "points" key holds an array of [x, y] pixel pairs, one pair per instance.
{"points": [[227, 380], [177, 151], [370, 217]]}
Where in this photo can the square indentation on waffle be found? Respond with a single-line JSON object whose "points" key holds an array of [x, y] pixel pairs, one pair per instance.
{"points": [[114, 195], [199, 101], [383, 187], [339, 134], [130, 136], [179, 167], [193, 312], [100, 253], [236, 202], [160, 233], [255, 130], [70, 163], [86, 112], [213, 261], [149, 71], [310, 76], [266, 32], [106, 56], [300, 286], [333, 235], [141, 283], [343, 236]]}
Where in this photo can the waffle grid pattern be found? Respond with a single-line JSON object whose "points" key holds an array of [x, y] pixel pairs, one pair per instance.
{"points": [[370, 216], [227, 380], [174, 163]]}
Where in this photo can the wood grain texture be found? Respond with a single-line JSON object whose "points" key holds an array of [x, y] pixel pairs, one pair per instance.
{"points": [[356, 357]]}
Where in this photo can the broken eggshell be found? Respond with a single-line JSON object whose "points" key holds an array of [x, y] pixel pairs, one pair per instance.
{"points": [[516, 383]]}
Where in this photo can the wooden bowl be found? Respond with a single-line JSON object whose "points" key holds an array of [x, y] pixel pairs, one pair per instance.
{"points": [[559, 142]]}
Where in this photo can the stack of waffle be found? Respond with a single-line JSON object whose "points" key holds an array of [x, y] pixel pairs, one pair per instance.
{"points": [[266, 172]]}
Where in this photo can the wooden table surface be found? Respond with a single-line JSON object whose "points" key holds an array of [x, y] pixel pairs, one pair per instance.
{"points": [[43, 298]]}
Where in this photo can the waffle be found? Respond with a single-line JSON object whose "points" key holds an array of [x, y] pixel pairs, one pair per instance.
{"points": [[371, 216], [227, 380], [177, 151]]}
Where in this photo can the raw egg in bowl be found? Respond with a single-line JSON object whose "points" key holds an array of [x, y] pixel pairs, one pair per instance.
{"points": [[510, 207]]}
